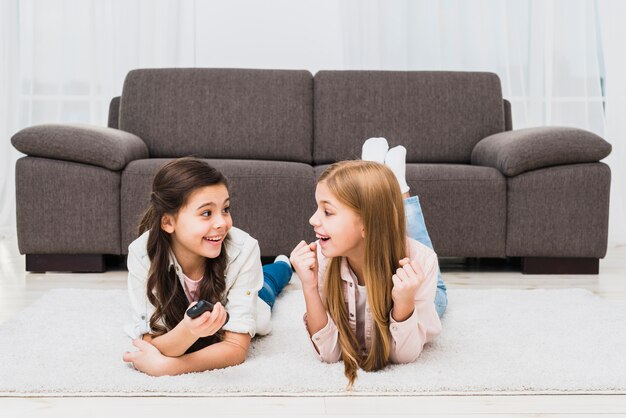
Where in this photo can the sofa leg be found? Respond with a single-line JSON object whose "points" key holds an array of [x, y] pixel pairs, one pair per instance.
{"points": [[560, 265], [77, 263]]}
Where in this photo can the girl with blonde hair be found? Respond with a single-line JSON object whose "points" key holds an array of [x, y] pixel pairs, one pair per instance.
{"points": [[369, 289]]}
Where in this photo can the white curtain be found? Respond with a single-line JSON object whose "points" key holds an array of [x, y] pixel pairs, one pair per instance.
{"points": [[76, 53], [63, 60], [9, 94]]}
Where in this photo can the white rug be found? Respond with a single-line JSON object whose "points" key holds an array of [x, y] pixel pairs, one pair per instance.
{"points": [[70, 343]]}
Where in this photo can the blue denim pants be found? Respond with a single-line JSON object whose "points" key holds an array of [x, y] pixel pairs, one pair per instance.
{"points": [[416, 229], [275, 278]]}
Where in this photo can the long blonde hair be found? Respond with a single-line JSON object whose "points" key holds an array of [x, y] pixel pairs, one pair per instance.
{"points": [[372, 191]]}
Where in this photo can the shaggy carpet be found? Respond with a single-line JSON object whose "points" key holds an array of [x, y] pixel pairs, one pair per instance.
{"points": [[70, 343]]}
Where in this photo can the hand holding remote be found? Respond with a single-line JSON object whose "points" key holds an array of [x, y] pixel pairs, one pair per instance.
{"points": [[201, 307]]}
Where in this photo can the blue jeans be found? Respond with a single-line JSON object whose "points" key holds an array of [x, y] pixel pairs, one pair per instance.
{"points": [[416, 229], [275, 277]]}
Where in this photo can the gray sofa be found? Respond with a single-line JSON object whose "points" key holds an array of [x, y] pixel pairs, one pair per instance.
{"points": [[487, 191]]}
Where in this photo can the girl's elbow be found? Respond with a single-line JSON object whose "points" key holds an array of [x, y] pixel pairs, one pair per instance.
{"points": [[405, 358], [239, 357], [239, 360], [330, 357], [329, 360]]}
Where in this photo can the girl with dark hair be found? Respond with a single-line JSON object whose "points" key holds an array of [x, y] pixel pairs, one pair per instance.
{"points": [[188, 250]]}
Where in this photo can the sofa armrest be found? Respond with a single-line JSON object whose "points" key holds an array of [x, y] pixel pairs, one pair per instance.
{"points": [[104, 147], [515, 152]]}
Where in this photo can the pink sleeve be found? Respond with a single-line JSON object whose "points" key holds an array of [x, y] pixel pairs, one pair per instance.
{"points": [[325, 341], [423, 325]]}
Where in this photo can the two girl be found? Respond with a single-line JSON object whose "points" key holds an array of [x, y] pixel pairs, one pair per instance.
{"points": [[371, 292], [188, 251]]}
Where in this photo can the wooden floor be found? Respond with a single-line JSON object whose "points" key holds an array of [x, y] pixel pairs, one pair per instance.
{"points": [[18, 289]]}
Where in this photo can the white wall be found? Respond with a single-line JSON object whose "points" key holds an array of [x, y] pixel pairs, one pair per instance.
{"points": [[279, 34]]}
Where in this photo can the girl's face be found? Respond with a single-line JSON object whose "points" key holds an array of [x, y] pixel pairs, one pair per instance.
{"points": [[199, 227], [339, 229]]}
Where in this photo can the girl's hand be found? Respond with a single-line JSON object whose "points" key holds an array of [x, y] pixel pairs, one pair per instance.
{"points": [[206, 324], [148, 359], [304, 261], [406, 282]]}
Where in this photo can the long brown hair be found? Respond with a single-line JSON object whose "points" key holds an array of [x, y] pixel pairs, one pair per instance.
{"points": [[372, 191], [171, 187]]}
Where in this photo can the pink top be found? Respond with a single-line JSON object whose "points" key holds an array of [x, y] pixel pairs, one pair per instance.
{"points": [[408, 337], [191, 288]]}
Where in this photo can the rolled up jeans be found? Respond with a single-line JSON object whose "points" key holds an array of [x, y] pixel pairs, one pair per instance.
{"points": [[275, 277], [416, 229]]}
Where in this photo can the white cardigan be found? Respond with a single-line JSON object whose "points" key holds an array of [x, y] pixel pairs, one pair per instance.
{"points": [[244, 279]]}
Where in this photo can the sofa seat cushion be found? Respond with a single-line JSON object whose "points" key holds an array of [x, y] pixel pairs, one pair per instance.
{"points": [[280, 194], [466, 206]]}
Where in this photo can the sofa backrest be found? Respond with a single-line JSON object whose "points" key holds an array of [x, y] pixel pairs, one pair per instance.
{"points": [[437, 115], [220, 113], [114, 113]]}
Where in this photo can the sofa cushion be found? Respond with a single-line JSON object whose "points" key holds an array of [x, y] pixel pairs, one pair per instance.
{"points": [[95, 145], [270, 200], [528, 149], [220, 113], [438, 116]]}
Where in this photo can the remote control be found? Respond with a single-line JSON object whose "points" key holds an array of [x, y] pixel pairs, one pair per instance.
{"points": [[201, 307]]}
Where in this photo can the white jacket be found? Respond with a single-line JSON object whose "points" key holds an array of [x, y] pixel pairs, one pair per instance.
{"points": [[244, 279]]}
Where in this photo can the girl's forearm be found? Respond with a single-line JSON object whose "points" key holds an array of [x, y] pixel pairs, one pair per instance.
{"points": [[229, 352], [402, 311], [315, 311], [174, 343]]}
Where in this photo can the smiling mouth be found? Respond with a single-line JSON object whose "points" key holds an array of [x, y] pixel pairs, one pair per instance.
{"points": [[322, 237], [214, 240]]}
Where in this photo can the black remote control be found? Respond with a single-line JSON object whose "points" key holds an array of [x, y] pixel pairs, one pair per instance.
{"points": [[201, 307]]}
